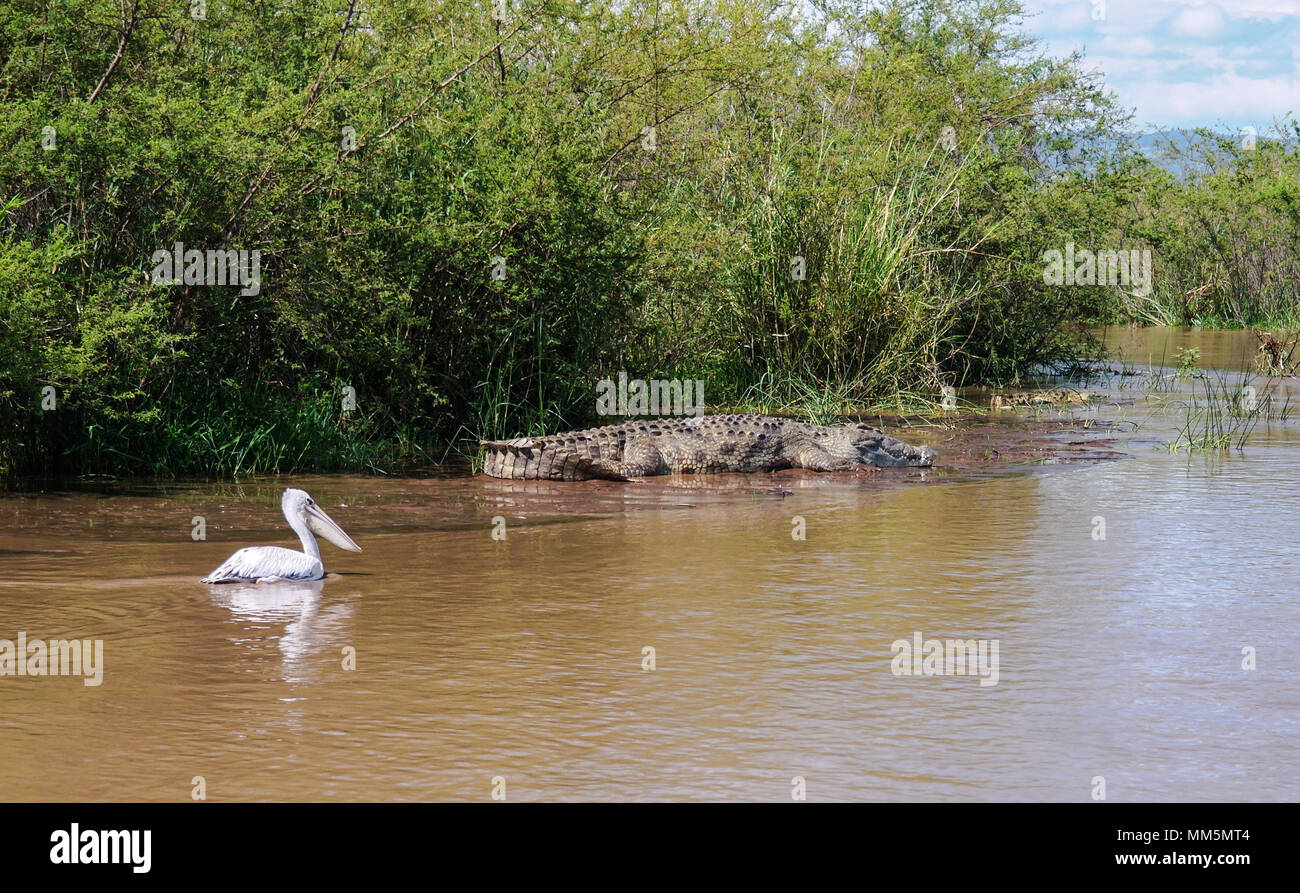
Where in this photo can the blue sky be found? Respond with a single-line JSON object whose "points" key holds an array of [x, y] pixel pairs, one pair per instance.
{"points": [[1184, 63]]}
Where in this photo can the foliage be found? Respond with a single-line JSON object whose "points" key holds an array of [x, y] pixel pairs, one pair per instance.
{"points": [[465, 221]]}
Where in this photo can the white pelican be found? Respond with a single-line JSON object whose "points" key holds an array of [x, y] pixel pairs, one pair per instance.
{"points": [[271, 564]]}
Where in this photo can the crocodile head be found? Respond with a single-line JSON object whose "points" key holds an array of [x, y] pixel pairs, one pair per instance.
{"points": [[874, 447]]}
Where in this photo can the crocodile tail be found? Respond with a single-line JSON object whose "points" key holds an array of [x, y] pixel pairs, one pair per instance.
{"points": [[532, 459]]}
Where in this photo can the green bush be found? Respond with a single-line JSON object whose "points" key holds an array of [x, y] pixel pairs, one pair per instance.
{"points": [[644, 175]]}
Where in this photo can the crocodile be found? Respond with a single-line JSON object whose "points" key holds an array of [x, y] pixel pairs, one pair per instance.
{"points": [[697, 445], [1058, 397]]}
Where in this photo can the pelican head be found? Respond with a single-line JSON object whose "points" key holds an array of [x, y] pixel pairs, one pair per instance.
{"points": [[297, 505]]}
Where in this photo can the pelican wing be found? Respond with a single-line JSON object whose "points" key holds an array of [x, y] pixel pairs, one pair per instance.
{"points": [[260, 562]]}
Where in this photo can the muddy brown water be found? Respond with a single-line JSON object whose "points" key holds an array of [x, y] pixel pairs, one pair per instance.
{"points": [[523, 658]]}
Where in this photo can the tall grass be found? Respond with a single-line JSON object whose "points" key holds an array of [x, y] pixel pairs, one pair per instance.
{"points": [[1219, 415], [847, 293], [239, 431]]}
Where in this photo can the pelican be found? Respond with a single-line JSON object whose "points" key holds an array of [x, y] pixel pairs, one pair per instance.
{"points": [[271, 564]]}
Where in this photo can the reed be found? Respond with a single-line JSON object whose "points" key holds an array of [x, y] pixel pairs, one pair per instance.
{"points": [[1219, 415]]}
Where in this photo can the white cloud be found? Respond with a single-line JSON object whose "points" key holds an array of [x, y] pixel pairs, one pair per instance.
{"points": [[1203, 22], [1228, 98], [1185, 62], [1137, 45], [1154, 10]]}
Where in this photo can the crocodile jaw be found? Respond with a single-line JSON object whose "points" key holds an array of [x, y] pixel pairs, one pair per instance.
{"points": [[922, 457], [880, 449]]}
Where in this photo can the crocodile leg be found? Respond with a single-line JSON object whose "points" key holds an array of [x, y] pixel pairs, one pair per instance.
{"points": [[641, 458], [819, 460]]}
